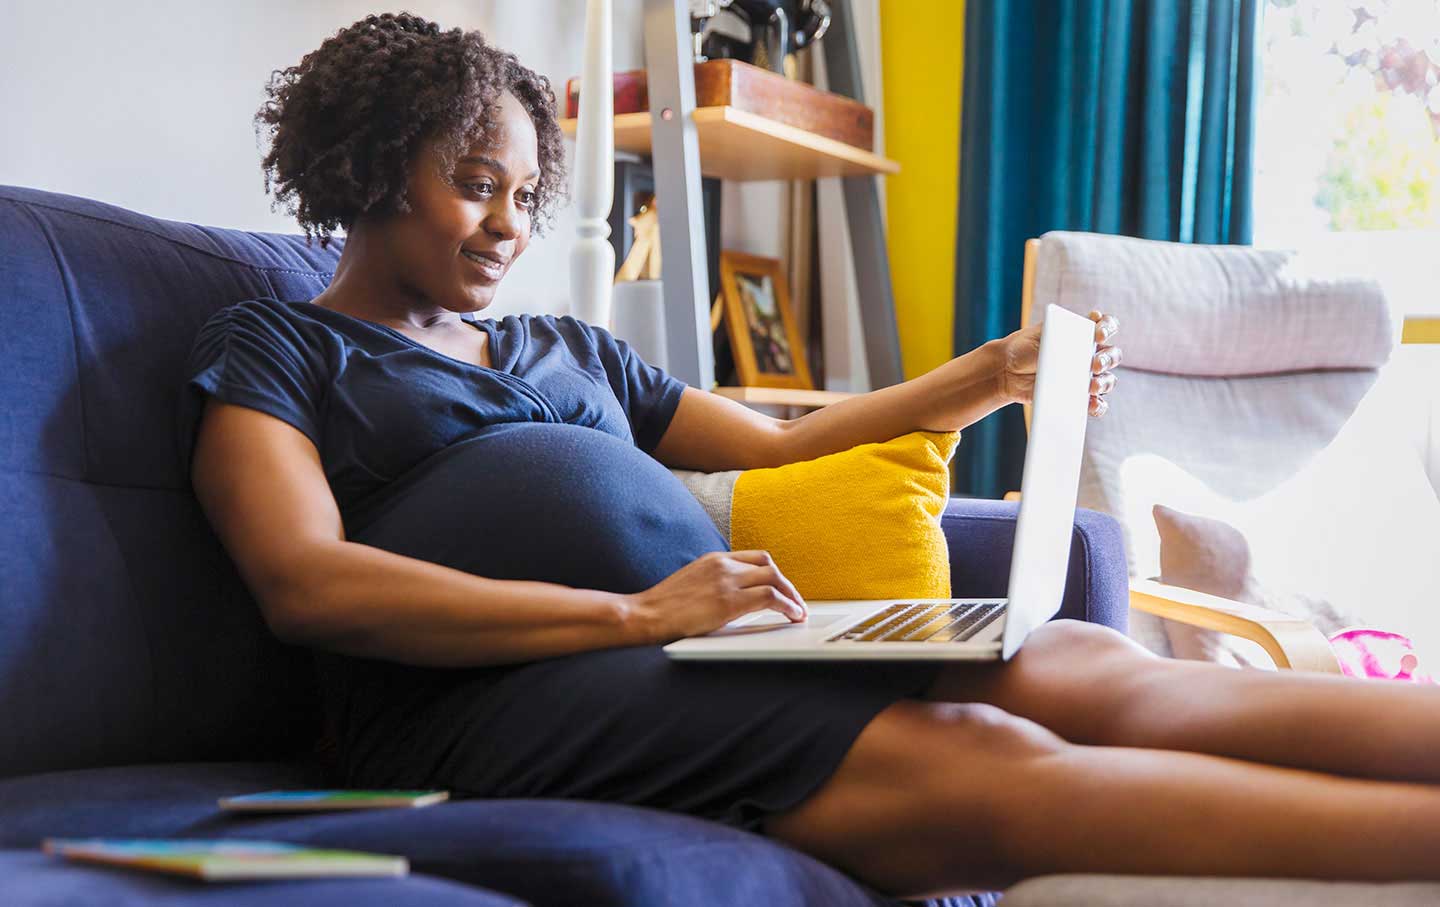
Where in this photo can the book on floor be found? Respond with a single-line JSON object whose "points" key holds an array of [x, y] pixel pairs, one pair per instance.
{"points": [[284, 801], [227, 861]]}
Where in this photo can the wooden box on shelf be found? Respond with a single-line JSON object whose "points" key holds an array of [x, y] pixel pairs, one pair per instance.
{"points": [[741, 86]]}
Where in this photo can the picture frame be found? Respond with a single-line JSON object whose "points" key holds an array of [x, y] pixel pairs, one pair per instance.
{"points": [[767, 347]]}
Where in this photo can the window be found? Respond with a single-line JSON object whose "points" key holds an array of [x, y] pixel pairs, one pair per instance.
{"points": [[1347, 157]]}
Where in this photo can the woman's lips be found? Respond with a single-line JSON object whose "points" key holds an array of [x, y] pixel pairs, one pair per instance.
{"points": [[491, 268]]}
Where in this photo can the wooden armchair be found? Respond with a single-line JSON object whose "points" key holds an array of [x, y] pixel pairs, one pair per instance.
{"points": [[1145, 282]]}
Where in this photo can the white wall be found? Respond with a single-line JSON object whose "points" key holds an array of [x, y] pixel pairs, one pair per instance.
{"points": [[149, 104]]}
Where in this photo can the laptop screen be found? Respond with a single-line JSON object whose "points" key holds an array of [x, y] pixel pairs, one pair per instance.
{"points": [[1052, 474]]}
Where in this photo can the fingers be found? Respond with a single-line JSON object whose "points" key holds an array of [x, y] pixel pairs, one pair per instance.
{"points": [[762, 571], [1106, 358], [771, 576], [757, 557], [758, 598], [1106, 326], [1100, 385]]}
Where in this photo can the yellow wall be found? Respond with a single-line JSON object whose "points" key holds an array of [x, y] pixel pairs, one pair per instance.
{"points": [[922, 46]]}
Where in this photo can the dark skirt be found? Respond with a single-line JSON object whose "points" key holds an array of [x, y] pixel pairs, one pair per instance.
{"points": [[731, 742]]}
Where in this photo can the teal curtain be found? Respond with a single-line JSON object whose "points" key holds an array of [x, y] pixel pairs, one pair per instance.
{"points": [[1111, 116]]}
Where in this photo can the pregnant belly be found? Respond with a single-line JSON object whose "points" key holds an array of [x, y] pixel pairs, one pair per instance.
{"points": [[542, 501]]}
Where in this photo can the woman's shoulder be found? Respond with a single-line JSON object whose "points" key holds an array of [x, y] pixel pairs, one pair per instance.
{"points": [[567, 329], [267, 328], [259, 313], [266, 318]]}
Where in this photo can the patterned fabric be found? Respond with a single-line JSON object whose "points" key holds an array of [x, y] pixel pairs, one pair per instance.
{"points": [[714, 491]]}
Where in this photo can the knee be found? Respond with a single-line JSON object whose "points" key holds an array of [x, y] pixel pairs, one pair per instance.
{"points": [[1092, 644], [979, 731]]}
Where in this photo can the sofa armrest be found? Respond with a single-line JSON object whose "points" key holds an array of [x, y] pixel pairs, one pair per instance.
{"points": [[1290, 642], [981, 533]]}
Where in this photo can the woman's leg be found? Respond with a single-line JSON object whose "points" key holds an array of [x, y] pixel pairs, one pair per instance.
{"points": [[944, 797], [1090, 684]]}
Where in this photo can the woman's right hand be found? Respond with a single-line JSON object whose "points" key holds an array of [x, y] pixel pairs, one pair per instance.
{"points": [[713, 590]]}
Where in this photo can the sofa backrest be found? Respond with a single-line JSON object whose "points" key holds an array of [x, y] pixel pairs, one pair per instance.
{"points": [[125, 633]]}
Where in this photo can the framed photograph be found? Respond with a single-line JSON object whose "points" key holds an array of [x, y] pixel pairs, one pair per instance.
{"points": [[768, 350]]}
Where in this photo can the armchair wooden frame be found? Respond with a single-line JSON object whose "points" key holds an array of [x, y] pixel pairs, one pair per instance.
{"points": [[1292, 643]]}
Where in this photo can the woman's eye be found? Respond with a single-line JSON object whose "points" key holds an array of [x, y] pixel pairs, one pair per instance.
{"points": [[527, 198], [482, 188]]}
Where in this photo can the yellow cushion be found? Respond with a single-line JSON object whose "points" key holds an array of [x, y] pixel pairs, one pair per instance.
{"points": [[862, 523]]}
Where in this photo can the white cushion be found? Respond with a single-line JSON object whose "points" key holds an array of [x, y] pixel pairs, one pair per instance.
{"points": [[1216, 310], [714, 491]]}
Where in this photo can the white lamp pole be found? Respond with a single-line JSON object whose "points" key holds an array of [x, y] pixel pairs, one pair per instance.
{"points": [[592, 261]]}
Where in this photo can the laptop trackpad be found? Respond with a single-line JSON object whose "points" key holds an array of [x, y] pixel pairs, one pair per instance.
{"points": [[760, 621]]}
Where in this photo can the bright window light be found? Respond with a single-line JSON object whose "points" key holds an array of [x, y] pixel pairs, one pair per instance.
{"points": [[1347, 158]]}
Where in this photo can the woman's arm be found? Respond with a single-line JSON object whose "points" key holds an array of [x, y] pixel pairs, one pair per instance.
{"points": [[712, 433], [264, 491]]}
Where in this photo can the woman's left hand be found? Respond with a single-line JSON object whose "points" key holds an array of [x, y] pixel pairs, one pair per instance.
{"points": [[1021, 353]]}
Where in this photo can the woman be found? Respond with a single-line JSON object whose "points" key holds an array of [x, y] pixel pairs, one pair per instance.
{"points": [[468, 517]]}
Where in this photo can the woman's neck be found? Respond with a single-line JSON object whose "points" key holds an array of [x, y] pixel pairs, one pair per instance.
{"points": [[365, 287]]}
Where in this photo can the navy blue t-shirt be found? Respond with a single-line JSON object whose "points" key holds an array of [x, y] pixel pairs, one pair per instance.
{"points": [[376, 403]]}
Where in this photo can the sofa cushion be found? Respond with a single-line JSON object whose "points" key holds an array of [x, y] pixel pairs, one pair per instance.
{"points": [[125, 634], [550, 851], [543, 851], [132, 801], [33, 879]]}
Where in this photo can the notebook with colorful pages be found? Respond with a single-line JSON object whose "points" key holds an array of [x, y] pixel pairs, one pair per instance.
{"points": [[228, 861], [285, 801]]}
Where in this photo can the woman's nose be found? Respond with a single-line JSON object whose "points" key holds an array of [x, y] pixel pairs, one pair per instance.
{"points": [[503, 220]]}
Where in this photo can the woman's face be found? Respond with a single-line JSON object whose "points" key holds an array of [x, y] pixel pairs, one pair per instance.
{"points": [[461, 235]]}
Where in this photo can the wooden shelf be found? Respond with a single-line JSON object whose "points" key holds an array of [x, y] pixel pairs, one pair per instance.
{"points": [[783, 396], [736, 145]]}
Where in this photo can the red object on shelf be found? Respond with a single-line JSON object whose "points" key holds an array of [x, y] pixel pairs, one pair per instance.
{"points": [[731, 83]]}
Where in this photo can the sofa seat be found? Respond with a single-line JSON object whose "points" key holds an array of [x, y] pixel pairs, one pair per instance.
{"points": [[31, 879], [542, 851], [134, 801]]}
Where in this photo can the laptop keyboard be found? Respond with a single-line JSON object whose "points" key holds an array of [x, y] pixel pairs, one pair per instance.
{"points": [[947, 622]]}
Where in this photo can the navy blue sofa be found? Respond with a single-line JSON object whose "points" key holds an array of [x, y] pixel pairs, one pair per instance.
{"points": [[138, 682]]}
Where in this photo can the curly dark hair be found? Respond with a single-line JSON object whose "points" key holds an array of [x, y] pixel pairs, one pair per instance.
{"points": [[345, 124]]}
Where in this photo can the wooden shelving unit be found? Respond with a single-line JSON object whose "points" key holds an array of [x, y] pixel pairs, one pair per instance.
{"points": [[783, 396], [738, 145], [684, 142]]}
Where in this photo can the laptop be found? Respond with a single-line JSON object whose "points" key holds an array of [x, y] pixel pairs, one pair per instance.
{"points": [[957, 629]]}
